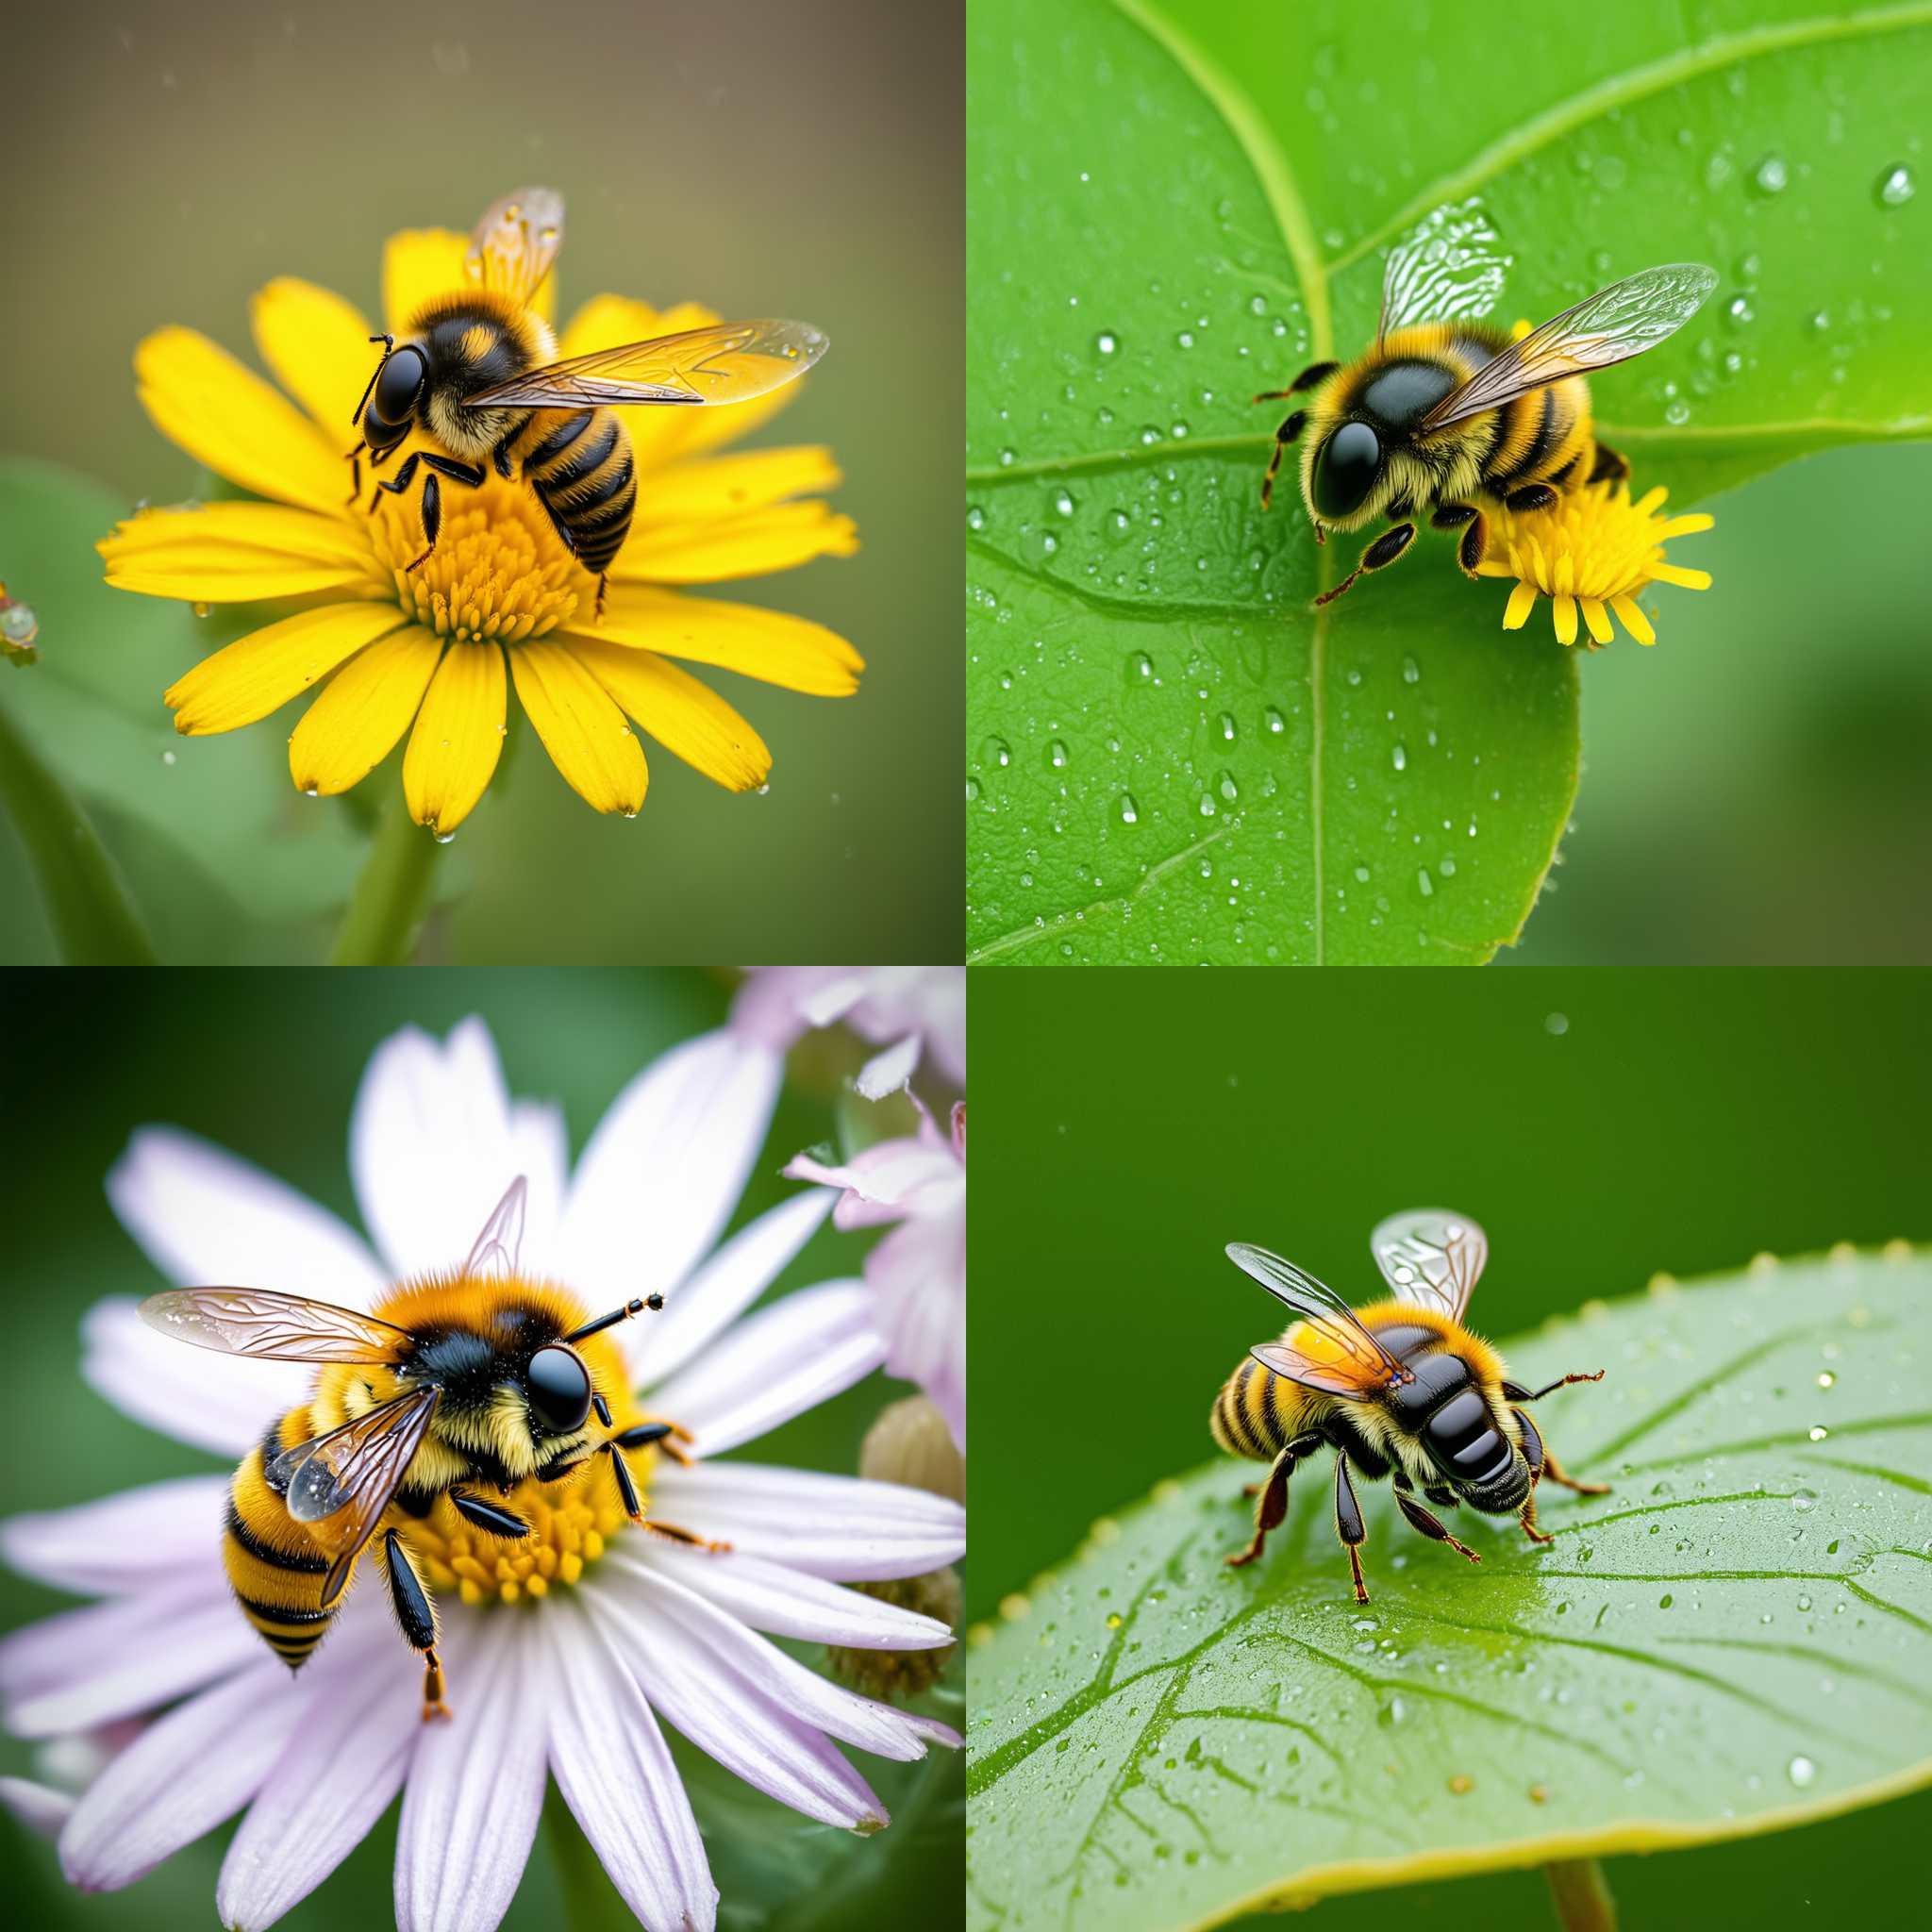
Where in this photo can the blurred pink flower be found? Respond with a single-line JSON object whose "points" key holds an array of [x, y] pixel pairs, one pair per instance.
{"points": [[906, 1008]]}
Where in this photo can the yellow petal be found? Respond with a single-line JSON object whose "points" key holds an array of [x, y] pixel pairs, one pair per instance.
{"points": [[780, 538], [766, 644], [1650, 500], [582, 727], [225, 552], [459, 735], [255, 675], [1494, 567], [1691, 579], [367, 706], [1686, 527], [420, 264], [730, 485], [231, 420], [318, 347], [687, 718], [1633, 620], [1522, 602], [1598, 619], [1565, 611]]}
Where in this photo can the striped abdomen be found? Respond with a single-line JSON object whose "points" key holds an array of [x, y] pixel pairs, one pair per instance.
{"points": [[1257, 1414], [578, 461], [274, 1565], [1540, 437]]}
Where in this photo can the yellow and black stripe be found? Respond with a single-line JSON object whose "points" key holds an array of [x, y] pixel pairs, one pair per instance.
{"points": [[1257, 1414], [578, 461], [274, 1565]]}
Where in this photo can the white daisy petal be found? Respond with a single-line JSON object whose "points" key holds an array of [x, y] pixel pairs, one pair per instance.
{"points": [[665, 1168], [139, 1538], [771, 1596], [836, 1527], [615, 1773], [886, 1073], [747, 1732], [184, 1773], [205, 1218], [341, 1769], [40, 1807], [217, 1402], [475, 1790], [728, 1284], [790, 1358]]}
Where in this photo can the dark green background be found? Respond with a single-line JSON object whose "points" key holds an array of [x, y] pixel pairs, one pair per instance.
{"points": [[801, 159], [267, 1064], [1128, 1124]]}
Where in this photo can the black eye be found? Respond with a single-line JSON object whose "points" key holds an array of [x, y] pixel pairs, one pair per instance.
{"points": [[399, 385], [1347, 469], [559, 1389]]}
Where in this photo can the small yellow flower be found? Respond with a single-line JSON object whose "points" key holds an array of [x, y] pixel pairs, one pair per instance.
{"points": [[1595, 548], [429, 650]]}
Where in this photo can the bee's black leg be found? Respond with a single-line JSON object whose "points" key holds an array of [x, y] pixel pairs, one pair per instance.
{"points": [[1533, 1452], [416, 1614], [1283, 436], [432, 517], [471, 474], [1610, 466], [500, 454], [1475, 535], [1315, 373], [398, 483], [602, 584], [1452, 516], [488, 1516], [1442, 1496], [688, 1537], [1419, 1519], [1272, 1505], [1557, 1473], [1517, 1394], [1531, 496], [1348, 1524], [355, 460], [1378, 556]]}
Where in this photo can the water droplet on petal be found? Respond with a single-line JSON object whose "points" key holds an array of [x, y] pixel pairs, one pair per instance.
{"points": [[1801, 1770], [1895, 187]]}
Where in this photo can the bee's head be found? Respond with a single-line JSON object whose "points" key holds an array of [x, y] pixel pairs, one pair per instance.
{"points": [[1348, 466], [393, 396]]}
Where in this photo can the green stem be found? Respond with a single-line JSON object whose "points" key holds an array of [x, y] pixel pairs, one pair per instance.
{"points": [[591, 1902], [93, 919], [385, 913], [1581, 1894]]}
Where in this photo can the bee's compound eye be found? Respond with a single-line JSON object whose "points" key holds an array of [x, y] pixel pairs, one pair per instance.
{"points": [[560, 1386], [1346, 469], [399, 385]]}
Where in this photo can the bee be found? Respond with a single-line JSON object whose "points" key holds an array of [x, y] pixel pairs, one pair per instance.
{"points": [[1446, 411], [450, 1387], [476, 371], [1401, 1386]]}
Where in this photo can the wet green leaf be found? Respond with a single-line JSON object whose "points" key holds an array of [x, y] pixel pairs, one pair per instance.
{"points": [[1171, 756], [1737, 1639]]}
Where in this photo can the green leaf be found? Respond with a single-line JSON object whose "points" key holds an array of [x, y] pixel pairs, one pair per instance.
{"points": [[1149, 243], [1736, 1639]]}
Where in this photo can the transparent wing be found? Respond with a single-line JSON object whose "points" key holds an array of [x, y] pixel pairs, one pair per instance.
{"points": [[513, 247], [277, 1327], [497, 1248], [1612, 326], [1333, 1350], [728, 362], [1449, 268], [341, 1483], [1430, 1257]]}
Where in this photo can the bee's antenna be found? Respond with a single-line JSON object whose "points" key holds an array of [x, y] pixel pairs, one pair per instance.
{"points": [[653, 1301], [388, 343]]}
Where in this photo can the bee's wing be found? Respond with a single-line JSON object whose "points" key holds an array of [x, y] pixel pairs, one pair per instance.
{"points": [[341, 1483], [1449, 268], [513, 247], [277, 1327], [728, 362], [1338, 1353], [1430, 1257], [496, 1250], [1612, 326]]}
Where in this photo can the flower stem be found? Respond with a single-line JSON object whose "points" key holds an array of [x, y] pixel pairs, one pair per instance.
{"points": [[591, 1902], [93, 919], [1581, 1895], [386, 911]]}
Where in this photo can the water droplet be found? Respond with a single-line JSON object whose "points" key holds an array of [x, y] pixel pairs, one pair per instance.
{"points": [[1825, 1378], [1803, 1499], [1678, 412], [1411, 672], [1557, 1024], [1772, 176], [1130, 813], [1140, 666], [1424, 883], [1896, 187], [996, 751], [976, 516], [449, 837], [1399, 757], [1801, 1770], [1740, 313], [1274, 720], [1008, 457], [1208, 808], [1362, 874], [167, 758], [1818, 1432], [1185, 340], [1063, 501], [1663, 1603], [1057, 753], [1105, 342], [1227, 726], [972, 790], [1227, 788]]}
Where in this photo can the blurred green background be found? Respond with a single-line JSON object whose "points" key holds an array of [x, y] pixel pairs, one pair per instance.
{"points": [[803, 159], [1603, 1125], [267, 1065]]}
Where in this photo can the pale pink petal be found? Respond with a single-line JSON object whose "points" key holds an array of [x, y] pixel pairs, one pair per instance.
{"points": [[789, 1358], [475, 1789], [137, 1538], [40, 1807], [219, 1402], [615, 1773], [836, 1527], [887, 1072], [113, 1659], [747, 1733], [180, 1777], [771, 1596], [889, 1179], [917, 1276], [728, 1284], [336, 1778], [207, 1218], [776, 1004], [665, 1168]]}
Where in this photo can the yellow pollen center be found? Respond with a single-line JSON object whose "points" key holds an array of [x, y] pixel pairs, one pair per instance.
{"points": [[499, 569], [1593, 543]]}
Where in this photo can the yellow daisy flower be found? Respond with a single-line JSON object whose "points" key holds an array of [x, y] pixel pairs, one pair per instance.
{"points": [[430, 648], [1595, 548]]}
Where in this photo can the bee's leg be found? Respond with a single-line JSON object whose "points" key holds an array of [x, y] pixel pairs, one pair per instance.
{"points": [[1419, 1519], [500, 454], [1467, 518], [1532, 497], [416, 1614], [602, 585], [1273, 1506], [398, 483], [1378, 556], [1557, 1473], [1517, 1392], [1610, 466], [688, 1537], [672, 1438], [355, 460], [488, 1516], [470, 475], [1528, 1520], [1348, 1524], [1442, 1496], [1283, 436], [1315, 373]]}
